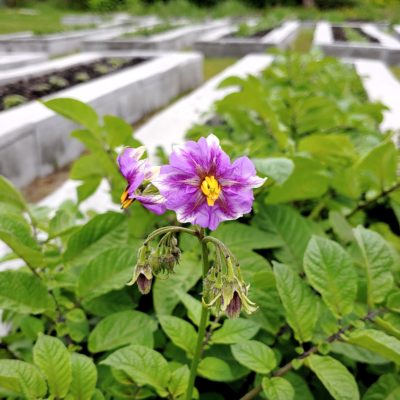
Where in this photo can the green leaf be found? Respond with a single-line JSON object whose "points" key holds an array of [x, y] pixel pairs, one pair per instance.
{"points": [[357, 353], [393, 302], [341, 226], [179, 381], [237, 235], [108, 271], [118, 132], [84, 377], [145, 366], [292, 230], [192, 305], [51, 356], [299, 302], [22, 378], [377, 260], [9, 194], [23, 293], [102, 232], [378, 342], [387, 387], [334, 376], [88, 187], [77, 324], [307, 181], [109, 303], [378, 168], [301, 389], [330, 271], [76, 111], [254, 355], [218, 370], [234, 331], [181, 332], [277, 168], [120, 329], [187, 273], [277, 389], [17, 234], [333, 149]]}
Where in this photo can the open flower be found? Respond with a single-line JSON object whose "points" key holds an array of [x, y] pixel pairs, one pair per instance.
{"points": [[202, 185], [139, 173]]}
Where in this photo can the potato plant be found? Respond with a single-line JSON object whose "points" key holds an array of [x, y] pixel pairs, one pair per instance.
{"points": [[320, 251]]}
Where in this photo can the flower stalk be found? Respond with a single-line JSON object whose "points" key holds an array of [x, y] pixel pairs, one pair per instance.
{"points": [[202, 325]]}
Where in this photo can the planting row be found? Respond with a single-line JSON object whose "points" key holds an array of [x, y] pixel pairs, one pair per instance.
{"points": [[128, 89], [357, 41]]}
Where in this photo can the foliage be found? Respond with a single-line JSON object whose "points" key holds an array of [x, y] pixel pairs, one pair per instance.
{"points": [[321, 253]]}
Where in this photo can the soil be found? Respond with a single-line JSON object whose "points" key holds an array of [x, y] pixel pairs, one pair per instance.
{"points": [[371, 39], [42, 187], [339, 35], [258, 34], [44, 85]]}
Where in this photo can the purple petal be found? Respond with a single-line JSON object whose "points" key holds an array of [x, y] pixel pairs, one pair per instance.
{"points": [[154, 203]]}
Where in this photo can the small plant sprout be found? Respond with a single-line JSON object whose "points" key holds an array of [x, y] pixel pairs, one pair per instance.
{"points": [[58, 82], [13, 100], [81, 77]]}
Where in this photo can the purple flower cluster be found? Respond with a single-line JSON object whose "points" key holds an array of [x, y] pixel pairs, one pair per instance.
{"points": [[200, 183]]}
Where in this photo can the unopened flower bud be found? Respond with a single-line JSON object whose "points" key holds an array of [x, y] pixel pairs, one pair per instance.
{"points": [[144, 284], [168, 262], [142, 274], [234, 307]]}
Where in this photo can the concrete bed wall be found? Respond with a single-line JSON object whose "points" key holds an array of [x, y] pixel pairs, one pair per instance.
{"points": [[16, 60], [63, 42], [175, 39], [34, 141], [219, 46], [388, 50]]}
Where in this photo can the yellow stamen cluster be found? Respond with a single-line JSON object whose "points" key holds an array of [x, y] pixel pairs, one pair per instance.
{"points": [[211, 188], [125, 201]]}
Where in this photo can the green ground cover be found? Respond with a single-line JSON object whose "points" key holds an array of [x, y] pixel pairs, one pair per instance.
{"points": [[49, 13]]}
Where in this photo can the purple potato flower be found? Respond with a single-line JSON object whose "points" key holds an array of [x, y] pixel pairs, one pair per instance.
{"points": [[202, 185], [139, 173]]}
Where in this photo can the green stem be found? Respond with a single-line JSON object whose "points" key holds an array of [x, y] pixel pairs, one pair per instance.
{"points": [[168, 229], [202, 325]]}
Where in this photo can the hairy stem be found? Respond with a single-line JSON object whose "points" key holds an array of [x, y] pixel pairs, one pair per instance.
{"points": [[202, 325], [367, 203], [168, 229], [287, 367]]}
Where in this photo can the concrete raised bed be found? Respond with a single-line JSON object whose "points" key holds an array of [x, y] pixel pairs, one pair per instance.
{"points": [[175, 39], [34, 141], [381, 85], [60, 43], [387, 50], [217, 44], [17, 60], [54, 44]]}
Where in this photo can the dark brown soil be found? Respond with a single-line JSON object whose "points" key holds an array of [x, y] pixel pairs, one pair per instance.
{"points": [[261, 33], [371, 39], [256, 35], [339, 35], [42, 187], [38, 87]]}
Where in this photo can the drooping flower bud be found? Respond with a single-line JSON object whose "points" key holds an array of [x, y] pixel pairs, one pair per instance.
{"points": [[234, 307], [234, 298], [142, 274], [144, 283]]}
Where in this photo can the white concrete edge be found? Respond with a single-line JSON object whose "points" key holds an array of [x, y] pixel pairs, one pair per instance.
{"points": [[385, 39]]}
